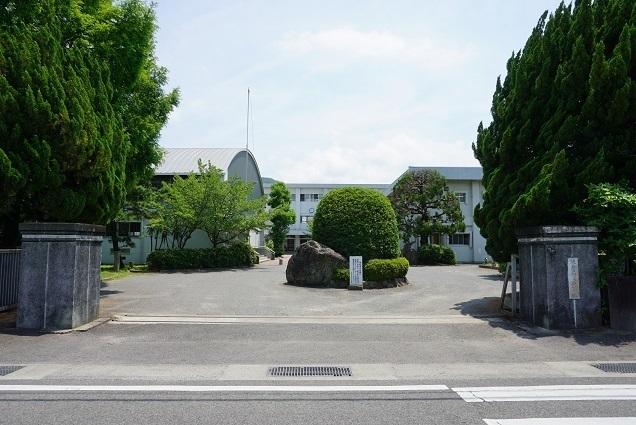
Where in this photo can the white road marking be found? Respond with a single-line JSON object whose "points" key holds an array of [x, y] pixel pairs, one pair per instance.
{"points": [[340, 320], [562, 421], [223, 388], [547, 393]]}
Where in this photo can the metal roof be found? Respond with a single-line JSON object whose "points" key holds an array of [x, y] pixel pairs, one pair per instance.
{"points": [[455, 173], [181, 161]]}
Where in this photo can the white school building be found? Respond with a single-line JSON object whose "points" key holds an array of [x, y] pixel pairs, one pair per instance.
{"points": [[469, 246]]}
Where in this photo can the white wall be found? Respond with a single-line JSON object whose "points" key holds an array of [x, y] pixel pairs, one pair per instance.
{"points": [[475, 252]]}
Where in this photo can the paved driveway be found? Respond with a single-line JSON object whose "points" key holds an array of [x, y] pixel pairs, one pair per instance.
{"points": [[260, 291]]}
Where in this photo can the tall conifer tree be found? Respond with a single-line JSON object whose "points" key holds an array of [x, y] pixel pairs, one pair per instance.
{"points": [[81, 107], [564, 117]]}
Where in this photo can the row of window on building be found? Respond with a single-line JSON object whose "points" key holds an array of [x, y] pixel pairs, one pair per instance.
{"points": [[307, 197], [315, 197]]}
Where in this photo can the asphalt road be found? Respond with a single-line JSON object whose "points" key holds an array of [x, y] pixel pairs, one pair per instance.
{"points": [[298, 408], [260, 291], [453, 346]]}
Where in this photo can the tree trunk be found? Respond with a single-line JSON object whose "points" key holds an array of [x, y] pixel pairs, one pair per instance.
{"points": [[115, 238]]}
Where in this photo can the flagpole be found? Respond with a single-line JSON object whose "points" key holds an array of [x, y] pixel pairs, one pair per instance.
{"points": [[247, 132]]}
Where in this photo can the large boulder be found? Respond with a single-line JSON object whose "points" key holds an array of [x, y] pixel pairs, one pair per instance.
{"points": [[313, 265]]}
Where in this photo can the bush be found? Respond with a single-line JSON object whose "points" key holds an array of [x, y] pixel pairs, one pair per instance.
{"points": [[341, 274], [379, 270], [435, 254], [236, 255], [357, 221]]}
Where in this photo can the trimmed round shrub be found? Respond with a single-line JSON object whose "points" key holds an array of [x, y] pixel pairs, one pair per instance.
{"points": [[236, 255], [379, 270], [357, 221], [435, 254]]}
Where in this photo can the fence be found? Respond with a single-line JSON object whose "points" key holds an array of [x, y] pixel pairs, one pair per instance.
{"points": [[9, 277]]}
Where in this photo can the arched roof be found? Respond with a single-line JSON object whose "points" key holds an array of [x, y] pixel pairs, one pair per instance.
{"points": [[183, 161]]}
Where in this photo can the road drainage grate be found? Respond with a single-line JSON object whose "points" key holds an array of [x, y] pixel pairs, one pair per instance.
{"points": [[616, 367], [5, 370], [309, 371]]}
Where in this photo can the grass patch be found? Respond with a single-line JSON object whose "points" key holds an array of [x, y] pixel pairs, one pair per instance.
{"points": [[109, 273]]}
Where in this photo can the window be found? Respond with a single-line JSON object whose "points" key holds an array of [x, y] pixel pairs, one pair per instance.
{"points": [[305, 218], [461, 196], [311, 197], [290, 243], [293, 197], [459, 239], [126, 228]]}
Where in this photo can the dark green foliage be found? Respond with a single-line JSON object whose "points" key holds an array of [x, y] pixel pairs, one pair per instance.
{"points": [[379, 270], [81, 107], [357, 221], [612, 208], [424, 206], [236, 255], [435, 254], [341, 274], [281, 215], [563, 118]]}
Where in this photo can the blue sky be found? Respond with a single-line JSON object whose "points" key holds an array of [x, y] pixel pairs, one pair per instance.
{"points": [[342, 91]]}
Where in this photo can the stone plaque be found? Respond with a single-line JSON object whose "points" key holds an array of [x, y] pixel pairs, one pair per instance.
{"points": [[355, 272], [573, 279]]}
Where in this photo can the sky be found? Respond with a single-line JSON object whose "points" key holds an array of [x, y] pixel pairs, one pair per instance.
{"points": [[341, 91]]}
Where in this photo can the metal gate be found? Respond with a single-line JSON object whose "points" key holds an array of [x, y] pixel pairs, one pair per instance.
{"points": [[9, 278]]}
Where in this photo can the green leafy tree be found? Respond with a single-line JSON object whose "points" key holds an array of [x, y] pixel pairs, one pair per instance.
{"points": [[224, 209], [179, 209], [562, 119], [357, 221], [81, 106], [141, 203], [424, 206], [281, 215], [612, 209]]}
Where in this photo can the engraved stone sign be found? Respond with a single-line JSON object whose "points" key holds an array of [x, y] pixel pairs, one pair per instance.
{"points": [[355, 272], [573, 279]]}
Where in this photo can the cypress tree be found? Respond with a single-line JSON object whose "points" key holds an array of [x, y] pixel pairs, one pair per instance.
{"points": [[82, 104], [563, 118]]}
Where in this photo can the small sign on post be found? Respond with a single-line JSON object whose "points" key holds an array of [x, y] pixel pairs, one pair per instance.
{"points": [[355, 272], [573, 279]]}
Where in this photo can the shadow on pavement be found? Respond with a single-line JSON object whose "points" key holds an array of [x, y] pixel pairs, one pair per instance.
{"points": [[487, 307]]}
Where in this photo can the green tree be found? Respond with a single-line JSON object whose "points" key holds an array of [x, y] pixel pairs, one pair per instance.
{"points": [[357, 221], [424, 206], [224, 209], [562, 119], [82, 104], [612, 209], [281, 215]]}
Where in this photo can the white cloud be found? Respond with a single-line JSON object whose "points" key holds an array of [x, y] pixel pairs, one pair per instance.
{"points": [[347, 43], [379, 162]]}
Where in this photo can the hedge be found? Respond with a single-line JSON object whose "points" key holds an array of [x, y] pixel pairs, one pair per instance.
{"points": [[357, 221], [236, 255], [377, 270], [435, 254]]}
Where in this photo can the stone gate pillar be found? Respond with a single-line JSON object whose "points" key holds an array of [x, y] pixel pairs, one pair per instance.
{"points": [[59, 275], [558, 273]]}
